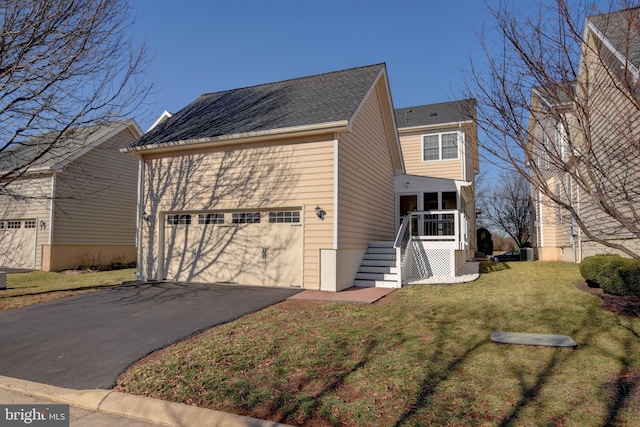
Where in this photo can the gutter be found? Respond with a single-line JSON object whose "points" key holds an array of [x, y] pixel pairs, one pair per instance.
{"points": [[433, 126], [247, 137]]}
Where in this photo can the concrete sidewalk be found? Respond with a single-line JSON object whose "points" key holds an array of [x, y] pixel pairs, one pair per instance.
{"points": [[102, 408]]}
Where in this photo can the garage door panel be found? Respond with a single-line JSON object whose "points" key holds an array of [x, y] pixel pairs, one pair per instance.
{"points": [[17, 243], [254, 253]]}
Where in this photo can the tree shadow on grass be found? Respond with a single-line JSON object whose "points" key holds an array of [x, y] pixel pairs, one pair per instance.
{"points": [[316, 400]]}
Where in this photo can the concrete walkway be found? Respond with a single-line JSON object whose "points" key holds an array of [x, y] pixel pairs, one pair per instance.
{"points": [[468, 273], [102, 408]]}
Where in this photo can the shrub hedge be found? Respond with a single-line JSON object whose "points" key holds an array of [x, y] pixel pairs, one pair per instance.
{"points": [[614, 274]]}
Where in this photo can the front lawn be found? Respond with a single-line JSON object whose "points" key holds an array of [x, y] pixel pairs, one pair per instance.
{"points": [[35, 287], [421, 356]]}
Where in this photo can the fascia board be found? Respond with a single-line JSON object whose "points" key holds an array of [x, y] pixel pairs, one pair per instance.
{"points": [[241, 138], [420, 128], [621, 57]]}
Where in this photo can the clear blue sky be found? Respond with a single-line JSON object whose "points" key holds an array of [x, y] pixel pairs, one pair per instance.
{"points": [[208, 46]]}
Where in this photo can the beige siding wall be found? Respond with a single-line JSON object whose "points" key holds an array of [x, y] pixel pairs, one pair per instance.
{"points": [[412, 153], [365, 181], [287, 173], [554, 231], [366, 201], [33, 203], [96, 197]]}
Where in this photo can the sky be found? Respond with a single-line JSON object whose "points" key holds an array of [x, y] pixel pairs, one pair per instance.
{"points": [[208, 46]]}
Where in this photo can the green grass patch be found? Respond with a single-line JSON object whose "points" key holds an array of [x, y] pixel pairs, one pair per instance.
{"points": [[35, 287], [421, 356]]}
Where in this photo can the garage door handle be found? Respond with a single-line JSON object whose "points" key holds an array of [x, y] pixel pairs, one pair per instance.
{"points": [[264, 253]]}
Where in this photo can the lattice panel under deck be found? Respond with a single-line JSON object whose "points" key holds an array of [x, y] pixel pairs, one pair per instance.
{"points": [[430, 262]]}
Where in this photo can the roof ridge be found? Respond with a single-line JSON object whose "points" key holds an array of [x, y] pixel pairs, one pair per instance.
{"points": [[297, 78], [437, 103]]}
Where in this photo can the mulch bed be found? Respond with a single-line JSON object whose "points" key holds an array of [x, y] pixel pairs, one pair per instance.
{"points": [[628, 306]]}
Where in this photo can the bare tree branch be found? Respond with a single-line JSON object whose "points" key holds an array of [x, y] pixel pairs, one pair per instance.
{"points": [[63, 65], [561, 108]]}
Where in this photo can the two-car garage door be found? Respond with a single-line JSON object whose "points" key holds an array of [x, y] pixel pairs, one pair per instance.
{"points": [[18, 243], [257, 247]]}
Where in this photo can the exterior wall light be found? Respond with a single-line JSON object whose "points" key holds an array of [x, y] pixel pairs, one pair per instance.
{"points": [[320, 213], [43, 225], [146, 216]]}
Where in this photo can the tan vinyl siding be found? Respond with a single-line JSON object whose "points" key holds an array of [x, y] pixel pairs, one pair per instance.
{"points": [[412, 153], [34, 203], [365, 181], [96, 196], [287, 173]]}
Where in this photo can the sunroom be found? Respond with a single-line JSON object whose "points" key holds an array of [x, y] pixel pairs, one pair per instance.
{"points": [[433, 226]]}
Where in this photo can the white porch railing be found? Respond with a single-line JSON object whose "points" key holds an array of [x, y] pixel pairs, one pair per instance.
{"points": [[420, 232]]}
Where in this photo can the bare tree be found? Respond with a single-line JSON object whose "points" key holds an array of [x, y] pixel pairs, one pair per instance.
{"points": [[507, 207], [63, 65], [559, 103]]}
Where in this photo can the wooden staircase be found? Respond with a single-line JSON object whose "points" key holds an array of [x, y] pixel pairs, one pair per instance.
{"points": [[378, 268]]}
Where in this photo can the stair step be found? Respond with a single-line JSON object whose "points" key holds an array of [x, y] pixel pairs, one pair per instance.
{"points": [[380, 250], [375, 283], [385, 257], [379, 262], [381, 245], [378, 269], [377, 276]]}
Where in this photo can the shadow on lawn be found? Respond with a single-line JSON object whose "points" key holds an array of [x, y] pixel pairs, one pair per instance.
{"points": [[623, 389], [491, 267]]}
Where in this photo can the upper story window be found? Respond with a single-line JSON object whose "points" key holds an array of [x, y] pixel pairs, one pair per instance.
{"points": [[441, 146]]}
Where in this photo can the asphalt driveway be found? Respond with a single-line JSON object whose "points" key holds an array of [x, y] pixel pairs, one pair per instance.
{"points": [[86, 341]]}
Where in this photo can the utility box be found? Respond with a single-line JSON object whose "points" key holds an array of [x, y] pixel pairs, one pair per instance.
{"points": [[3, 280]]}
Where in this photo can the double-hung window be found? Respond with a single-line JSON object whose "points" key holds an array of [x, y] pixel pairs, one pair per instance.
{"points": [[440, 146]]}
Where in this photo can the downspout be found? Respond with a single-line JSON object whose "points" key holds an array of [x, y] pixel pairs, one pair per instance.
{"points": [[139, 219], [335, 191], [51, 208], [540, 220]]}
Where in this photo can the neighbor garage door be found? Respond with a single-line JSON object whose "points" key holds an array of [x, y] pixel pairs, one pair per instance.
{"points": [[18, 243], [249, 247]]}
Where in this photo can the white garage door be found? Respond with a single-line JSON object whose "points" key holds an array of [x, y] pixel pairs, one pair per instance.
{"points": [[18, 243], [252, 247]]}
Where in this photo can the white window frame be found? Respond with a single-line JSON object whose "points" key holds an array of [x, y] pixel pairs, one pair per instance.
{"points": [[245, 218], [281, 217], [211, 218], [441, 152], [178, 219]]}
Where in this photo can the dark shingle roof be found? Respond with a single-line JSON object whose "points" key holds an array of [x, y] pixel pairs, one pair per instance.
{"points": [[622, 29], [322, 98], [38, 154], [434, 114]]}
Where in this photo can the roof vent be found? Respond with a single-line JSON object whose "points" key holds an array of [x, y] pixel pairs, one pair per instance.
{"points": [[434, 114]]}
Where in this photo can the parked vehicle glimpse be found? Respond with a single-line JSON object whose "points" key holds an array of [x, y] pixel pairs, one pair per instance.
{"points": [[507, 256]]}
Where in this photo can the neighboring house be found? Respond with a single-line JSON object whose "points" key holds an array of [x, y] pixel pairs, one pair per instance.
{"points": [[73, 206], [281, 184], [610, 60], [440, 150]]}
